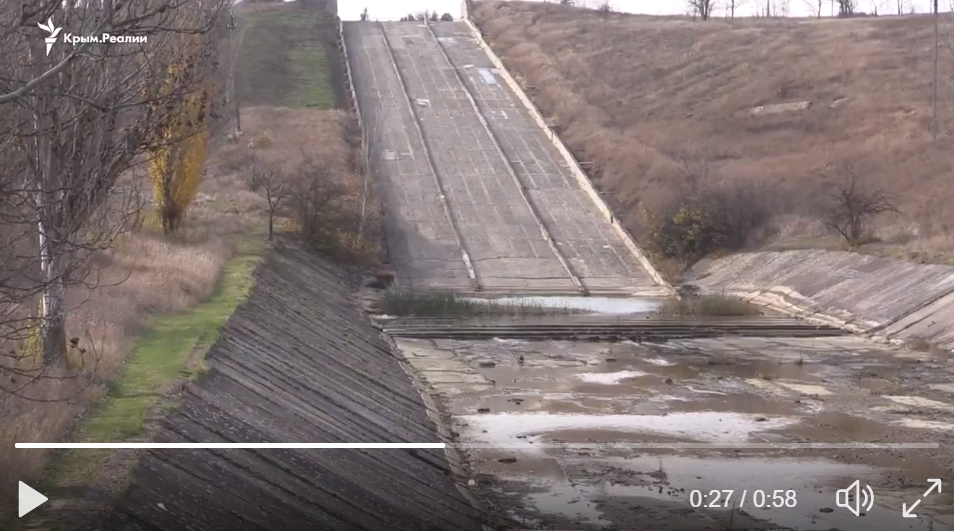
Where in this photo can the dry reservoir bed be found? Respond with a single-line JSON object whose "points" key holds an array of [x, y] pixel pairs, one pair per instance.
{"points": [[564, 435]]}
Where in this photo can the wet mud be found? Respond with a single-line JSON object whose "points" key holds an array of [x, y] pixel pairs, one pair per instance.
{"points": [[723, 433]]}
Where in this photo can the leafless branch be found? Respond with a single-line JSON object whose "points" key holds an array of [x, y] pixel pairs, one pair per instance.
{"points": [[852, 203]]}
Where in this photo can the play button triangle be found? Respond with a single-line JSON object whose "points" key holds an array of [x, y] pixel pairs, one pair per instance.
{"points": [[29, 499]]}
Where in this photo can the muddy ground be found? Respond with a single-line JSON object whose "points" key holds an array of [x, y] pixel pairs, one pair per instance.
{"points": [[576, 436]]}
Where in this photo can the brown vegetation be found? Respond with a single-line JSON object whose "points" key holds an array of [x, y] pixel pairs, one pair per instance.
{"points": [[142, 271], [298, 165], [643, 97]]}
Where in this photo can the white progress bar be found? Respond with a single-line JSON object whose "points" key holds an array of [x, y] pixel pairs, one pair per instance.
{"points": [[231, 446], [486, 446]]}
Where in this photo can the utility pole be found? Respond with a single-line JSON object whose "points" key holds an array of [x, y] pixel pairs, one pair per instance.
{"points": [[233, 89], [934, 124]]}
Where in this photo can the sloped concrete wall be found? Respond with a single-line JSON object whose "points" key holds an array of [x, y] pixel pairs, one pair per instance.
{"points": [[298, 363], [576, 170], [888, 298]]}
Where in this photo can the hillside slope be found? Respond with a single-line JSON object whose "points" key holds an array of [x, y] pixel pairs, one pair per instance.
{"points": [[642, 97], [297, 363]]}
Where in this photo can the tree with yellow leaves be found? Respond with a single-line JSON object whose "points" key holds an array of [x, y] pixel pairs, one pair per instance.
{"points": [[180, 153]]}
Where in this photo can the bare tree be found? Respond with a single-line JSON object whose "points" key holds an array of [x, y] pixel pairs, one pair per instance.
{"points": [[815, 7], [900, 6], [76, 117], [852, 204], [604, 8], [313, 191], [782, 8], [846, 8], [702, 8], [269, 180], [732, 5]]}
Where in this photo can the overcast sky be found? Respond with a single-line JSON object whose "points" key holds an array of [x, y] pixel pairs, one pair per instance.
{"points": [[394, 9]]}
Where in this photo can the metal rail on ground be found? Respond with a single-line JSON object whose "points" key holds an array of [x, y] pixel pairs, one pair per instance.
{"points": [[448, 213], [513, 174]]}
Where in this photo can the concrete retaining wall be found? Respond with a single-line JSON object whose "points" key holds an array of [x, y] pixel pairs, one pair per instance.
{"points": [[568, 158], [298, 363], [367, 138], [888, 299]]}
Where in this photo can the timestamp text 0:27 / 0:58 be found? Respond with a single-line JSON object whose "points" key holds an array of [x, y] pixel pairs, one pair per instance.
{"points": [[726, 499]]}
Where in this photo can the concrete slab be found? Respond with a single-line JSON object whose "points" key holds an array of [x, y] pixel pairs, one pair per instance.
{"points": [[609, 435], [497, 213], [890, 298], [296, 363], [588, 240]]}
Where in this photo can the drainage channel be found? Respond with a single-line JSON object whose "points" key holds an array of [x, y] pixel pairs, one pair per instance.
{"points": [[601, 435], [615, 329]]}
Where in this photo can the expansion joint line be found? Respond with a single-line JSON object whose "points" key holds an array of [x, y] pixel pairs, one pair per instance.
{"points": [[471, 270], [513, 174]]}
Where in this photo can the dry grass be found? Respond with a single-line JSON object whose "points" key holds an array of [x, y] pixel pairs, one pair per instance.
{"points": [[145, 274], [636, 95], [709, 306], [292, 43], [148, 274], [291, 137]]}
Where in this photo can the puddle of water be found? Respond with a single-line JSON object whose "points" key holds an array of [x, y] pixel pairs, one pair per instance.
{"points": [[598, 305], [609, 378], [925, 424], [705, 426], [739, 403], [806, 389], [946, 387], [659, 362], [671, 480], [814, 481], [916, 401]]}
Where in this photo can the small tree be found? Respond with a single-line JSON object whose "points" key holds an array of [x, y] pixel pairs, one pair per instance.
{"points": [[815, 7], [312, 194], [731, 6], [447, 17], [846, 8], [702, 8], [604, 8], [269, 180], [851, 205], [179, 148], [704, 216], [567, 3]]}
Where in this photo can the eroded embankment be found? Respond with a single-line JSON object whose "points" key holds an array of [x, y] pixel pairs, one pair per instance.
{"points": [[887, 298], [297, 363]]}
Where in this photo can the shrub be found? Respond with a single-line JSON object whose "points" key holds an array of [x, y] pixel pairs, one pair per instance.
{"points": [[705, 221], [709, 305]]}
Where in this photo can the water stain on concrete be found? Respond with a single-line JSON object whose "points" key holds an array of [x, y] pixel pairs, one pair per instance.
{"points": [[580, 435]]}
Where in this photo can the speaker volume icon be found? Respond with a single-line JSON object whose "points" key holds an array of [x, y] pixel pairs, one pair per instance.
{"points": [[851, 498]]}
